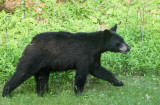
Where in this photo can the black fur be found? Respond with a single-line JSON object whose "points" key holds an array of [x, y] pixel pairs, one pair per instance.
{"points": [[62, 51]]}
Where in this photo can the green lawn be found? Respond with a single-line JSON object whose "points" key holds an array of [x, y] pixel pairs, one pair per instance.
{"points": [[138, 90]]}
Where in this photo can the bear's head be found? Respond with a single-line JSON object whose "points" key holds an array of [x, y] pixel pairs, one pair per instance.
{"points": [[114, 42]]}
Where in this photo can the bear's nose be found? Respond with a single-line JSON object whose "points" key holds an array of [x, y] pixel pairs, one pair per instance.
{"points": [[129, 48]]}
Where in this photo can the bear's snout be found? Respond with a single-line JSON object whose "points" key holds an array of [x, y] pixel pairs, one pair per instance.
{"points": [[129, 48], [124, 48]]}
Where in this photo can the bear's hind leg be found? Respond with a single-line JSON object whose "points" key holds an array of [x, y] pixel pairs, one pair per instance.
{"points": [[42, 82], [25, 69], [17, 79]]}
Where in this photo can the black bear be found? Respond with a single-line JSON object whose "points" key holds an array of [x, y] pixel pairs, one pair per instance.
{"points": [[62, 51]]}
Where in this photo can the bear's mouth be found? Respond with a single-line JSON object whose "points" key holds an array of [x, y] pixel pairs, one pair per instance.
{"points": [[122, 51]]}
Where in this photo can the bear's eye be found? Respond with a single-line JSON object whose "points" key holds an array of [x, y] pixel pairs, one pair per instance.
{"points": [[118, 44]]}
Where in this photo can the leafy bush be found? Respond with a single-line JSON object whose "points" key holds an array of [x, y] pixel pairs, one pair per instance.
{"points": [[134, 19]]}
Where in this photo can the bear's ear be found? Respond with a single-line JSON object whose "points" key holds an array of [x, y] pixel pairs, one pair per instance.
{"points": [[106, 31], [107, 34], [114, 28]]}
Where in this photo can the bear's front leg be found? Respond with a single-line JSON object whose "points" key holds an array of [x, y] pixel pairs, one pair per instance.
{"points": [[80, 80], [104, 74]]}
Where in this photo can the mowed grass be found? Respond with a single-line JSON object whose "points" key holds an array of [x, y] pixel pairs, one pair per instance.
{"points": [[138, 90]]}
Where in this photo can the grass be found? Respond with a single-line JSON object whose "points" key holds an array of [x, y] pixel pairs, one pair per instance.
{"points": [[138, 90]]}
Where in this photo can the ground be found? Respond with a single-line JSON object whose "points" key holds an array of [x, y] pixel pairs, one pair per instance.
{"points": [[138, 90]]}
